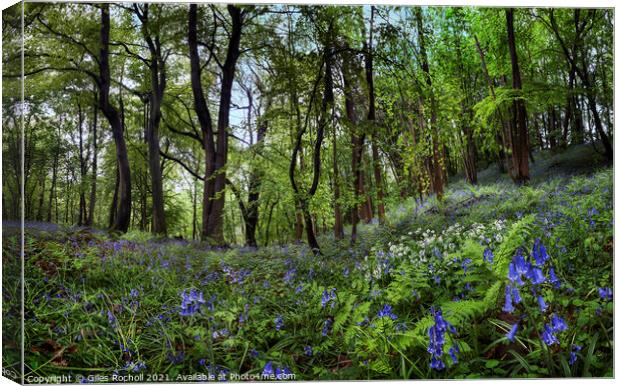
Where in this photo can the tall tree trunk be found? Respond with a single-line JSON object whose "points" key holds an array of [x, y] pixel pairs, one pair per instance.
{"points": [[123, 215], [114, 206], [254, 189], [521, 171], [268, 227], [214, 224], [81, 185], [469, 147], [338, 226], [204, 118], [42, 196], [326, 105], [157, 69], [216, 157], [368, 65], [349, 69], [53, 188], [93, 186], [434, 162], [194, 209]]}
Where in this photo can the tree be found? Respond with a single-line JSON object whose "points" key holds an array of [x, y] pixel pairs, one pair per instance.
{"points": [[519, 141], [216, 150]]}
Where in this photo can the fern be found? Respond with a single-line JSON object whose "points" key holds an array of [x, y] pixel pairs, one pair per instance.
{"points": [[516, 237]]}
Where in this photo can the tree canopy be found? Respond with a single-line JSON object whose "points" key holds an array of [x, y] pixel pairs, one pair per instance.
{"points": [[243, 124]]}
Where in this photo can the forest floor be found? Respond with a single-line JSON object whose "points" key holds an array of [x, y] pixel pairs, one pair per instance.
{"points": [[493, 281]]}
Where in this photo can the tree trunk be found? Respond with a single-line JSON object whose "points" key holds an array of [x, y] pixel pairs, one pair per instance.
{"points": [[93, 186], [53, 188], [216, 157], [349, 68], [122, 218], [338, 226], [521, 172], [157, 68], [82, 193], [254, 190], [114, 206], [326, 105], [435, 165], [368, 65]]}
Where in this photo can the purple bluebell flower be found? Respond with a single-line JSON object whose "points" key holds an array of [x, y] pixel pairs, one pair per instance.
{"points": [[548, 336], [279, 322], [521, 265], [437, 253], [283, 373], [513, 275], [542, 304], [387, 312], [536, 276], [308, 351], [220, 333], [539, 252], [268, 370], [111, 319], [573, 354], [605, 293], [516, 295], [487, 256], [345, 272], [465, 265], [553, 279], [508, 306], [513, 332], [327, 326], [290, 275], [437, 364], [328, 297], [437, 338], [453, 351], [191, 302], [558, 323]]}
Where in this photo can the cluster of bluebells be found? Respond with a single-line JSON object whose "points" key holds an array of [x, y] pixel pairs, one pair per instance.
{"points": [[111, 319], [191, 302], [327, 326], [290, 275], [278, 373], [605, 293], [521, 270], [437, 339], [279, 322], [244, 315], [135, 367], [532, 271], [328, 298], [573, 354], [487, 256], [223, 333], [386, 311], [556, 325]]}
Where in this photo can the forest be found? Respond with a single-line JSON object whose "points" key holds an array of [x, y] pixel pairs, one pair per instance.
{"points": [[307, 192]]}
